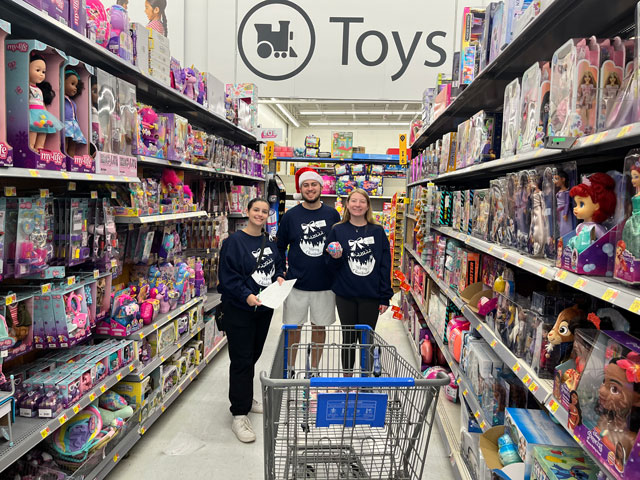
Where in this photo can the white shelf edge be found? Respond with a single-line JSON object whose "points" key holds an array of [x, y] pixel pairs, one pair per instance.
{"points": [[160, 218]]}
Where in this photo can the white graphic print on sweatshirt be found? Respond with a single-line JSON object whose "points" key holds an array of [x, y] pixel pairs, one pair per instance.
{"points": [[267, 268], [313, 238], [361, 261]]}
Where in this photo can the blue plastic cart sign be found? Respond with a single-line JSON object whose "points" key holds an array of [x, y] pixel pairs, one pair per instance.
{"points": [[371, 409]]}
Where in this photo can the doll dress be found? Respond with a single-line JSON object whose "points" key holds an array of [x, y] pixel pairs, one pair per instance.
{"points": [[631, 231], [40, 120], [71, 126]]}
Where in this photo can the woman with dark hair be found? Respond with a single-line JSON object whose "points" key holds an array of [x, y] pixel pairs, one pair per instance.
{"points": [[249, 262]]}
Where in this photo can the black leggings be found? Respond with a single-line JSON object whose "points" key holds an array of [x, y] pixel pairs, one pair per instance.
{"points": [[355, 311], [246, 333]]}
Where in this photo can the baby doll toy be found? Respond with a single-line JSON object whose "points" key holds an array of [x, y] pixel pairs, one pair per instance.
{"points": [[41, 94], [589, 250], [73, 87]]}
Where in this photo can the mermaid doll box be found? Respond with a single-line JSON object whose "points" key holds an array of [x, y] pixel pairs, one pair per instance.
{"points": [[34, 129], [608, 404], [627, 261]]}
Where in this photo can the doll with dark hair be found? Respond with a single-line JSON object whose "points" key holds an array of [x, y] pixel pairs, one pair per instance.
{"points": [[595, 202], [73, 135], [563, 203], [619, 403], [41, 94]]}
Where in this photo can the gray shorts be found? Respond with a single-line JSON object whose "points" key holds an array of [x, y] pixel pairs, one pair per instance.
{"points": [[319, 306]]}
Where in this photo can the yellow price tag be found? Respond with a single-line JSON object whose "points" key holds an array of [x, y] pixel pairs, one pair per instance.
{"points": [[493, 343], [580, 283], [44, 289], [76, 408], [610, 295], [62, 419], [479, 327], [601, 136], [533, 388], [577, 440], [526, 379], [71, 186], [477, 414], [465, 392], [112, 178], [163, 408], [561, 275], [126, 179], [635, 306], [89, 176], [119, 377], [482, 425], [34, 173], [114, 263], [516, 368], [142, 431], [520, 261], [94, 195], [141, 376], [553, 406], [96, 273], [103, 388], [44, 192], [624, 131], [131, 368], [180, 389], [491, 249], [458, 381], [588, 140], [505, 255], [71, 280], [542, 271], [9, 299], [155, 326], [64, 175], [162, 359], [92, 397], [179, 345], [45, 433], [9, 191], [115, 195]]}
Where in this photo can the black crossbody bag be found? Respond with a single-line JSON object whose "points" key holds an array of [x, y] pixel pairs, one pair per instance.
{"points": [[219, 322]]}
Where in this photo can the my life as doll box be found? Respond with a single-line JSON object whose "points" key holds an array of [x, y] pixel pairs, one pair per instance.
{"points": [[555, 463], [76, 115], [6, 152], [532, 428], [21, 96], [609, 404]]}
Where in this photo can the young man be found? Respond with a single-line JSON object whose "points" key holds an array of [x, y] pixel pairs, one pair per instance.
{"points": [[303, 229]]}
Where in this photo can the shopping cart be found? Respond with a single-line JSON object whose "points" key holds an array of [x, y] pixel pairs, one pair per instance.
{"points": [[325, 425]]}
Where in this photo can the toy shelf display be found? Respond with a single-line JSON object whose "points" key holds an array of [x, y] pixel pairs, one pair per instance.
{"points": [[519, 266], [113, 208]]}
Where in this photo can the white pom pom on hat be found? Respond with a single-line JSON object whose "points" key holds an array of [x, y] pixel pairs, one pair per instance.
{"points": [[303, 175]]}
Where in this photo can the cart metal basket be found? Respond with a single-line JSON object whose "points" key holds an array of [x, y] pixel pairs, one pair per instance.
{"points": [[324, 424]]}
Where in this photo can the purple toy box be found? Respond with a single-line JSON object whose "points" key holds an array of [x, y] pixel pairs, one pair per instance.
{"points": [[78, 15], [6, 152], [58, 9], [596, 259], [81, 161], [608, 404], [17, 55]]}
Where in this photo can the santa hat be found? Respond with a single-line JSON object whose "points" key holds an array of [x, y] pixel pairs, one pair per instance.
{"points": [[304, 174]]}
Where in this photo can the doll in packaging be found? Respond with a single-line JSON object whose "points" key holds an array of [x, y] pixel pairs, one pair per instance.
{"points": [[595, 201], [628, 243], [522, 210], [41, 94], [511, 118], [539, 225], [73, 135]]}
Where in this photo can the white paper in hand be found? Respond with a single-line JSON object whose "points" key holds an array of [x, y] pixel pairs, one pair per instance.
{"points": [[275, 294]]}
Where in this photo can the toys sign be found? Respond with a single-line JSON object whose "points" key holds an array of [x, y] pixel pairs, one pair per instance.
{"points": [[292, 45]]}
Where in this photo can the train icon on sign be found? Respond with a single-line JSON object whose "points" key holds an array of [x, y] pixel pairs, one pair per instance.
{"points": [[275, 42]]}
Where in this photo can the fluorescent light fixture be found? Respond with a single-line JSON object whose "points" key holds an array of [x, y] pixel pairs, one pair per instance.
{"points": [[287, 114], [357, 124], [357, 112], [318, 124]]}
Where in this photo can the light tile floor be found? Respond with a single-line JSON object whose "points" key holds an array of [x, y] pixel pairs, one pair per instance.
{"points": [[196, 429]]}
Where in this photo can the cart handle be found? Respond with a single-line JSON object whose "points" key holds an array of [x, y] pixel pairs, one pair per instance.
{"points": [[293, 326], [355, 382]]}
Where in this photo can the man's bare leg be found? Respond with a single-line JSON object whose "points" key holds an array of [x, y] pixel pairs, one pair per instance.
{"points": [[318, 336], [294, 338]]}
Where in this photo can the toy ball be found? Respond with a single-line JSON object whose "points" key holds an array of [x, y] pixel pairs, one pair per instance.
{"points": [[334, 248], [450, 391]]}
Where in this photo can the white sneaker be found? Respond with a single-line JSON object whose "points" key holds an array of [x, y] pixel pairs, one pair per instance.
{"points": [[256, 406], [242, 428]]}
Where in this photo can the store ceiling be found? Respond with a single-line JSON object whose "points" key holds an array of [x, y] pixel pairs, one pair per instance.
{"points": [[330, 113]]}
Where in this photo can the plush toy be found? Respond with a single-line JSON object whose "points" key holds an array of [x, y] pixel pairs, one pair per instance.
{"points": [[190, 83], [112, 401]]}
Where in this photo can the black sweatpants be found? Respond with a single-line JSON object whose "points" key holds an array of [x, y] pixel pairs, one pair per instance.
{"points": [[355, 311], [246, 333]]}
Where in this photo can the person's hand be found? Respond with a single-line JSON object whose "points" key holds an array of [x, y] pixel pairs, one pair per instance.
{"points": [[280, 280], [253, 301], [383, 308], [335, 250]]}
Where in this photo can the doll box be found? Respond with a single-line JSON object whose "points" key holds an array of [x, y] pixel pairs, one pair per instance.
{"points": [[531, 428], [6, 152], [127, 166], [596, 259], [555, 463], [609, 404], [78, 16]]}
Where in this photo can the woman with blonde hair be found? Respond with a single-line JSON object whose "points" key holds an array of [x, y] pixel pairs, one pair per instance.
{"points": [[358, 251]]}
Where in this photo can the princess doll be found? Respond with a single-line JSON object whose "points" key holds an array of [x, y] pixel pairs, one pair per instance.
{"points": [[563, 203], [539, 227], [618, 402], [73, 87], [586, 99], [631, 231], [41, 94], [595, 202]]}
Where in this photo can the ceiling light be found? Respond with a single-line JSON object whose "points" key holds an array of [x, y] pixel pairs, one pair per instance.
{"points": [[286, 113], [358, 112], [318, 124]]}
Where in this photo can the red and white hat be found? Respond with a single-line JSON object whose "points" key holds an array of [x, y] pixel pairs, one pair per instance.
{"points": [[303, 175]]}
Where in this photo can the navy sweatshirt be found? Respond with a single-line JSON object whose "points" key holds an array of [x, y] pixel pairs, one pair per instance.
{"points": [[364, 270], [304, 232], [238, 257]]}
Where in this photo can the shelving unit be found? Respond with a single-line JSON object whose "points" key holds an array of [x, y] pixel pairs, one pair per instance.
{"points": [[196, 168], [29, 22], [161, 218], [15, 172], [561, 20]]}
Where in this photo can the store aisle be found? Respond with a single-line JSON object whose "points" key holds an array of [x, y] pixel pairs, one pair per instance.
{"points": [[195, 440]]}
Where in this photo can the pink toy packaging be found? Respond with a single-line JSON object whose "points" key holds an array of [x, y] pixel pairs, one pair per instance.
{"points": [[588, 250], [177, 137], [151, 133], [612, 59], [627, 261], [6, 152], [608, 404], [574, 88], [120, 42], [34, 129], [58, 9], [75, 103]]}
